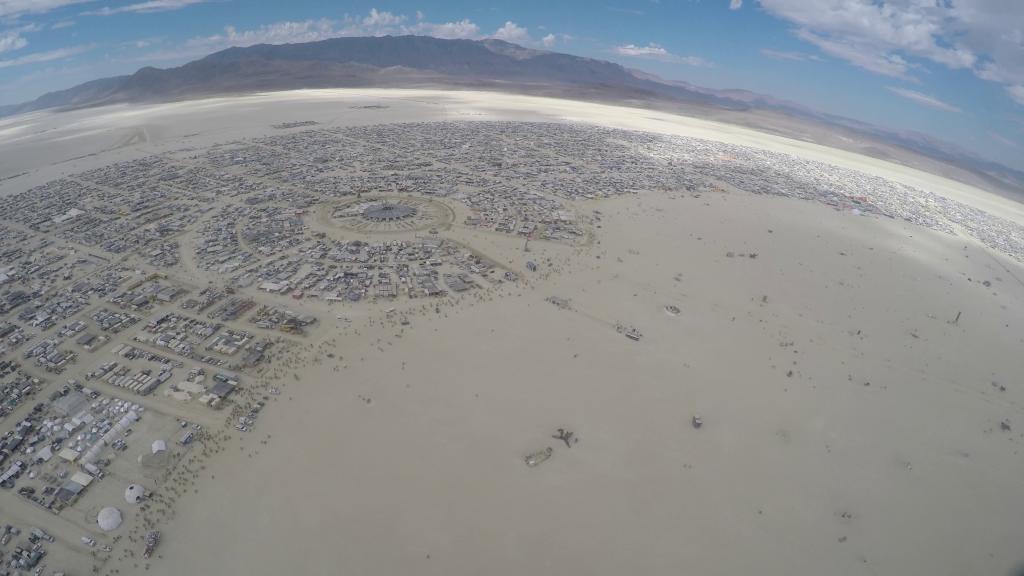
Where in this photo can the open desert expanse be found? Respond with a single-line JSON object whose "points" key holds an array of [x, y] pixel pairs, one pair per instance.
{"points": [[858, 377], [880, 454]]}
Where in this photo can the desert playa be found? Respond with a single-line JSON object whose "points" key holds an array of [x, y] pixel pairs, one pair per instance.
{"points": [[843, 429], [753, 383]]}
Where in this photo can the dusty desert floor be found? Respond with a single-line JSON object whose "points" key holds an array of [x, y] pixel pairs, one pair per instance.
{"points": [[847, 370], [880, 453]]}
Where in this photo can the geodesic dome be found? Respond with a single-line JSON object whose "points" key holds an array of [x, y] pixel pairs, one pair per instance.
{"points": [[134, 493], [109, 519]]}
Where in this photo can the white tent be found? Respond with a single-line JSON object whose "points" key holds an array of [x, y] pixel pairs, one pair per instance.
{"points": [[109, 519], [159, 446], [81, 478], [134, 493]]}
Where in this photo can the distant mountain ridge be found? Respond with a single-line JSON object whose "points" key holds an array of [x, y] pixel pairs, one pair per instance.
{"points": [[395, 61], [360, 61]]}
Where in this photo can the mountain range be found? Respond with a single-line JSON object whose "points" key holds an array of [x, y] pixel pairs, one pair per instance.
{"points": [[422, 61]]}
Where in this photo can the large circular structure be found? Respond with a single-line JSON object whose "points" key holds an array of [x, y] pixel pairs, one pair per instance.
{"points": [[389, 212], [109, 519]]}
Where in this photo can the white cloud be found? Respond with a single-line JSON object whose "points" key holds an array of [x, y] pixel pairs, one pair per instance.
{"points": [[145, 7], [381, 19], [12, 40], [655, 52], [48, 56], [461, 29], [375, 23], [511, 32], [552, 40], [62, 24], [277, 33], [1017, 93], [1003, 140], [892, 65], [735, 4], [15, 8], [984, 36], [649, 51], [791, 56], [923, 99]]}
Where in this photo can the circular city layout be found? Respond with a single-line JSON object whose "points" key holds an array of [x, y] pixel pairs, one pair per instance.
{"points": [[388, 214]]}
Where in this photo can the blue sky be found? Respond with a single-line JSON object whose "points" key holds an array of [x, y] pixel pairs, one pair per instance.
{"points": [[952, 69]]}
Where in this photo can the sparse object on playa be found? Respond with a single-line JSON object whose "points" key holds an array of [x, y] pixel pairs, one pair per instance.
{"points": [[672, 309], [109, 519], [134, 493], [531, 266], [1005, 425], [560, 302], [152, 540], [539, 457], [697, 421], [628, 331], [159, 446], [566, 436]]}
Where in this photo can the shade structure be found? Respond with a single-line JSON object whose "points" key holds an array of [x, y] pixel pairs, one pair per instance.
{"points": [[133, 493], [109, 519]]}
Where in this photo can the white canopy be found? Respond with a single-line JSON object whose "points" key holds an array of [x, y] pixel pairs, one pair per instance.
{"points": [[159, 446], [109, 519]]}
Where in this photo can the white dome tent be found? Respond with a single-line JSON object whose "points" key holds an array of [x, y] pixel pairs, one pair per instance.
{"points": [[109, 519], [134, 493]]}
